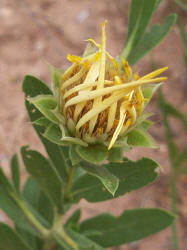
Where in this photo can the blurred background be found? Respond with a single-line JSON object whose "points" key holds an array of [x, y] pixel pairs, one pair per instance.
{"points": [[35, 32]]}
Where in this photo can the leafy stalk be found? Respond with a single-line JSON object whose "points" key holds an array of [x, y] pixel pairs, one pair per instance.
{"points": [[41, 230], [69, 183], [59, 230], [172, 157]]}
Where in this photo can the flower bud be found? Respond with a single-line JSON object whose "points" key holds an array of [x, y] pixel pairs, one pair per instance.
{"points": [[100, 100]]}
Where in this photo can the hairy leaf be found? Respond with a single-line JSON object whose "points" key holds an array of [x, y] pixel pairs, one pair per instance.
{"points": [[139, 137], [10, 206], [10, 240], [141, 12], [15, 173], [109, 180], [132, 225], [34, 196], [44, 174], [93, 153], [115, 155], [132, 175], [151, 38], [33, 87], [46, 104]]}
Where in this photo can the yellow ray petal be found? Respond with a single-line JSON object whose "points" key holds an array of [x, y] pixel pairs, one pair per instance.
{"points": [[73, 79], [96, 110], [84, 86], [69, 70], [154, 73], [88, 95], [119, 127], [111, 116], [101, 77], [91, 77], [132, 112]]}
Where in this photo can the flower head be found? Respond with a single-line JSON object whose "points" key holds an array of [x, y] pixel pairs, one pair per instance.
{"points": [[100, 101]]}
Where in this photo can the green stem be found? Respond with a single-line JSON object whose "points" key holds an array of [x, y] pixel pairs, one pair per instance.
{"points": [[58, 228], [68, 240], [64, 159], [42, 230], [47, 235], [68, 186], [173, 182], [49, 244]]}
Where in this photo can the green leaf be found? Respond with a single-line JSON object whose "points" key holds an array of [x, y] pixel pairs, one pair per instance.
{"points": [[139, 137], [46, 104], [42, 122], [141, 12], [38, 200], [10, 206], [54, 134], [33, 241], [10, 240], [73, 220], [74, 157], [157, 4], [146, 124], [110, 181], [151, 38], [56, 79], [82, 241], [132, 175], [15, 173], [149, 91], [44, 174], [115, 155], [93, 153], [33, 87], [131, 226], [4, 182]]}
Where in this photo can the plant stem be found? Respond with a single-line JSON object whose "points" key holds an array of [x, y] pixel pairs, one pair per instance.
{"points": [[173, 179], [42, 230], [173, 187], [58, 228], [69, 182], [47, 235], [49, 244], [68, 240]]}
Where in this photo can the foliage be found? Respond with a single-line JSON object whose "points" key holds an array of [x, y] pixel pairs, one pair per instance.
{"points": [[71, 171], [177, 158]]}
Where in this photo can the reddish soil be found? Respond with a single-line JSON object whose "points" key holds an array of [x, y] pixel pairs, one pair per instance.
{"points": [[33, 32]]}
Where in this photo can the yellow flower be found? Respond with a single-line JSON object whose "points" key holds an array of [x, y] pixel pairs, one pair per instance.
{"points": [[100, 101]]}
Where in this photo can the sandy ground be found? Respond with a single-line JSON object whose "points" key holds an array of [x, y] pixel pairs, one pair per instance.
{"points": [[33, 32]]}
